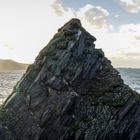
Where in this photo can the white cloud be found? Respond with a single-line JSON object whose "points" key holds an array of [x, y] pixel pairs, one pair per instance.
{"points": [[131, 5], [95, 15], [132, 31], [58, 8], [131, 28], [117, 16], [128, 53]]}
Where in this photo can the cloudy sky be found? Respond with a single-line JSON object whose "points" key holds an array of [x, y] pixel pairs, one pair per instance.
{"points": [[26, 26]]}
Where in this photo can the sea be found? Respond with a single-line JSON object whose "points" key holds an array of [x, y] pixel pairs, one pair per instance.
{"points": [[131, 77], [8, 79]]}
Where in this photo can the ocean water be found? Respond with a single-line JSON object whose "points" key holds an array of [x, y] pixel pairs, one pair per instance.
{"points": [[8, 79], [131, 77]]}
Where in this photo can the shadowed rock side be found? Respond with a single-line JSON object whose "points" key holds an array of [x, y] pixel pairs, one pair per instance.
{"points": [[72, 92]]}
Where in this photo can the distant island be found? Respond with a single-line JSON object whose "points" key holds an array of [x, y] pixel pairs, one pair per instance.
{"points": [[12, 65]]}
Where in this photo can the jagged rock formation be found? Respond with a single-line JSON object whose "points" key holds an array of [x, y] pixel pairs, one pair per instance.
{"points": [[72, 92]]}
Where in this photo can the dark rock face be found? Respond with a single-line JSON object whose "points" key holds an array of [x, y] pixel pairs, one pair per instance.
{"points": [[72, 92]]}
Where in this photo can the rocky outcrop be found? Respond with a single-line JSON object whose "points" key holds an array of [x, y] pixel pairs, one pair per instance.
{"points": [[71, 92]]}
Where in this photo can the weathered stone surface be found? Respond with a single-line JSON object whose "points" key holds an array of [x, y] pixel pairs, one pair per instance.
{"points": [[72, 92]]}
